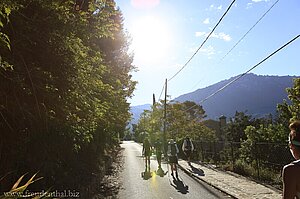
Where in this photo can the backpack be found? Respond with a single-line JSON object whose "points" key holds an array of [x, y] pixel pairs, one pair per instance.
{"points": [[146, 146], [188, 146], [173, 149]]}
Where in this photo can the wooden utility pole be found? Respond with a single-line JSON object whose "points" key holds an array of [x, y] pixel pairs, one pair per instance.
{"points": [[153, 100], [165, 120], [153, 108]]}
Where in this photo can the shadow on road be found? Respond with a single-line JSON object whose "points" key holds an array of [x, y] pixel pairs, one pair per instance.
{"points": [[160, 172], [195, 170], [180, 186], [146, 175]]}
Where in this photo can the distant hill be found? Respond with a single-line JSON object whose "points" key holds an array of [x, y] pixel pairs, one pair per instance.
{"points": [[256, 94], [137, 110]]}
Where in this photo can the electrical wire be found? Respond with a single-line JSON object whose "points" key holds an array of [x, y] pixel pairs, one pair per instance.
{"points": [[243, 74], [203, 41], [162, 90], [243, 36], [249, 30]]}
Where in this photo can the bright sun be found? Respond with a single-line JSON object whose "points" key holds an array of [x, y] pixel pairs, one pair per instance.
{"points": [[150, 39]]}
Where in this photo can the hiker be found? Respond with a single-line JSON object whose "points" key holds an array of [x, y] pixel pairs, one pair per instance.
{"points": [[187, 148], [291, 172], [172, 156], [147, 153], [158, 151]]}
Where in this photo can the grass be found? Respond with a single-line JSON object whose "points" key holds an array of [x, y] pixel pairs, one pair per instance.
{"points": [[19, 191]]}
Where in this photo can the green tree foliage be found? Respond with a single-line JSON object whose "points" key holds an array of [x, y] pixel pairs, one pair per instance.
{"points": [[5, 9], [261, 132], [185, 119], [182, 119], [264, 140], [274, 133], [150, 124], [64, 103], [261, 143], [235, 129], [289, 111]]}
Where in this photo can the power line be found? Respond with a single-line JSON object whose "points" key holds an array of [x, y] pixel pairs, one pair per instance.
{"points": [[241, 75], [203, 41], [162, 90], [250, 29], [244, 35]]}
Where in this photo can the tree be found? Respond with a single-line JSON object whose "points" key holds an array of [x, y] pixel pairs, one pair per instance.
{"points": [[185, 119], [64, 102], [235, 129], [6, 7], [290, 110], [182, 119], [265, 143]]}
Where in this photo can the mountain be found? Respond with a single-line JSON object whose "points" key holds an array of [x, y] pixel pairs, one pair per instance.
{"points": [[256, 94], [137, 110]]}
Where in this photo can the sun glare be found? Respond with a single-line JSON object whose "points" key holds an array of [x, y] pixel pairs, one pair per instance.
{"points": [[150, 39], [144, 3]]}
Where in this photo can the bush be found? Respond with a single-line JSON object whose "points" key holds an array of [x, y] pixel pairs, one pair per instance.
{"points": [[242, 168]]}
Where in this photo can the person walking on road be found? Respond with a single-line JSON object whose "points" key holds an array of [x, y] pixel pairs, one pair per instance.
{"points": [[172, 157], [147, 153], [187, 148], [291, 172], [158, 152]]}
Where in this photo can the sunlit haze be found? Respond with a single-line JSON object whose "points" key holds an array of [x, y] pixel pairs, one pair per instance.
{"points": [[165, 34], [150, 39]]}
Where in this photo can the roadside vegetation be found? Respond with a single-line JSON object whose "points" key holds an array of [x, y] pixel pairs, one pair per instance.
{"points": [[64, 84], [253, 147]]}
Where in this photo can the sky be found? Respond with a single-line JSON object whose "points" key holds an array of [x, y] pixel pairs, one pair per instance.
{"points": [[165, 34]]}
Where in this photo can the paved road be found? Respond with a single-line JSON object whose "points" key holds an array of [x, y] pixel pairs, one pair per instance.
{"points": [[136, 187]]}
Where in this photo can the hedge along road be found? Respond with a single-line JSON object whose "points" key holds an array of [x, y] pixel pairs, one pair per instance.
{"points": [[134, 186]]}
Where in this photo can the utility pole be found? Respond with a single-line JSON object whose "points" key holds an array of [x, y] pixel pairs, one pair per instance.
{"points": [[153, 108], [165, 120], [153, 100]]}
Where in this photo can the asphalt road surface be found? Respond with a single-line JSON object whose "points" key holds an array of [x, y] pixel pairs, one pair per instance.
{"points": [[134, 186]]}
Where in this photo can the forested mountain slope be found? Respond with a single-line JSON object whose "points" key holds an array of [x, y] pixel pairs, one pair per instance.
{"points": [[256, 94]]}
